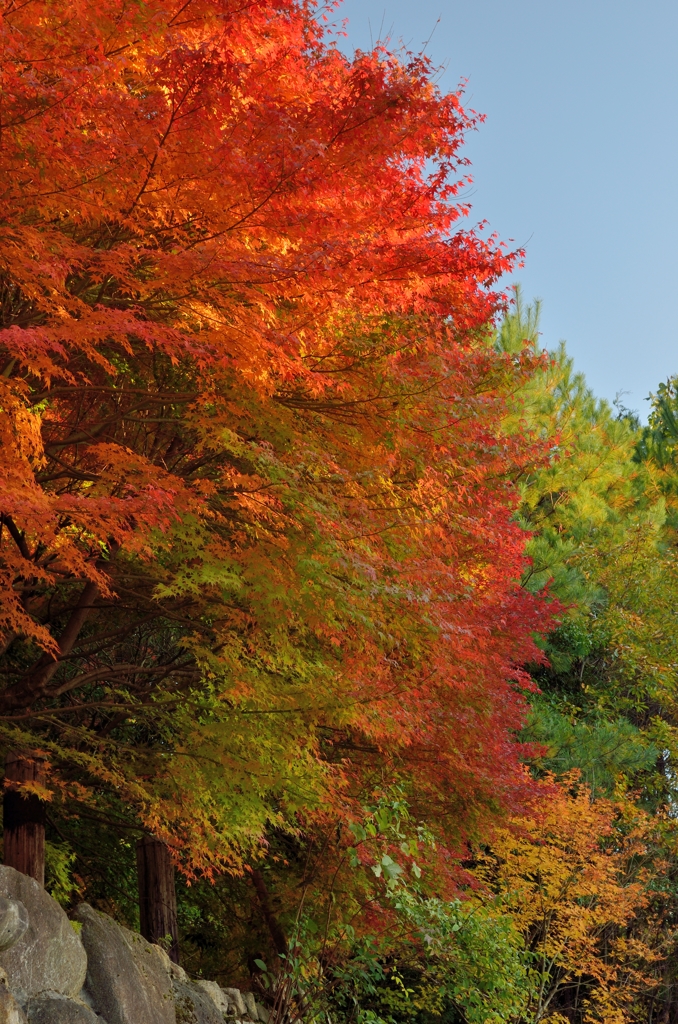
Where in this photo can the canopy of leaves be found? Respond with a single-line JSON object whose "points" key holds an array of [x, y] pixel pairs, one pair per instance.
{"points": [[257, 541]]}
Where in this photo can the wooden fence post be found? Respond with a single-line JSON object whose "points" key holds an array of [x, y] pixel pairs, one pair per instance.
{"points": [[157, 895], [24, 817]]}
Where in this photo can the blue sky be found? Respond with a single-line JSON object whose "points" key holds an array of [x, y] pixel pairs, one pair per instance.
{"points": [[576, 160]]}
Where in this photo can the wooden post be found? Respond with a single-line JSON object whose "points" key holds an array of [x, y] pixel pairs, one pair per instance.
{"points": [[24, 817], [157, 895]]}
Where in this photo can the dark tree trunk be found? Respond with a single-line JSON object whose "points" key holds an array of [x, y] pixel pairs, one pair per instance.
{"points": [[24, 817], [274, 927], [157, 895]]}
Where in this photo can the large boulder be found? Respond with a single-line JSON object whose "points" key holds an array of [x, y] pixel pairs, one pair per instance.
{"points": [[127, 978], [55, 1009], [194, 1005], [49, 955]]}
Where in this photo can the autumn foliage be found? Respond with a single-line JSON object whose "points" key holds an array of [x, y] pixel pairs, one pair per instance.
{"points": [[572, 876], [257, 546], [313, 565]]}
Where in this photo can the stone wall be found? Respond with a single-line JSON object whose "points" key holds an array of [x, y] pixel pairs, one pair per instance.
{"points": [[93, 971]]}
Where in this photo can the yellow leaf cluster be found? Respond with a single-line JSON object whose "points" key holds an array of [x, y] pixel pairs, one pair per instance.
{"points": [[566, 876]]}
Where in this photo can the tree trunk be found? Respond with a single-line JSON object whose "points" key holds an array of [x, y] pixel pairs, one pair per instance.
{"points": [[157, 895], [24, 817], [274, 927]]}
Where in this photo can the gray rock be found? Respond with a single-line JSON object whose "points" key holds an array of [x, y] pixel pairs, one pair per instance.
{"points": [[10, 1011], [49, 956], [251, 1005], [13, 922], [262, 1013], [176, 971], [51, 1008], [127, 978], [235, 997], [216, 994], [194, 1005]]}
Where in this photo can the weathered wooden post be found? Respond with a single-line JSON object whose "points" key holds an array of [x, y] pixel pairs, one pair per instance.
{"points": [[157, 894], [24, 816]]}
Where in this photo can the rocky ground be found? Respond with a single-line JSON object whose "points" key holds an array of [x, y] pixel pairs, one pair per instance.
{"points": [[93, 971]]}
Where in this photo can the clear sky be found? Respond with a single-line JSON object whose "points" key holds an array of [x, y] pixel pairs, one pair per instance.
{"points": [[576, 160]]}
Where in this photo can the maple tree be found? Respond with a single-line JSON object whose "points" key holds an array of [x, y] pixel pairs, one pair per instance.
{"points": [[257, 541], [568, 876]]}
